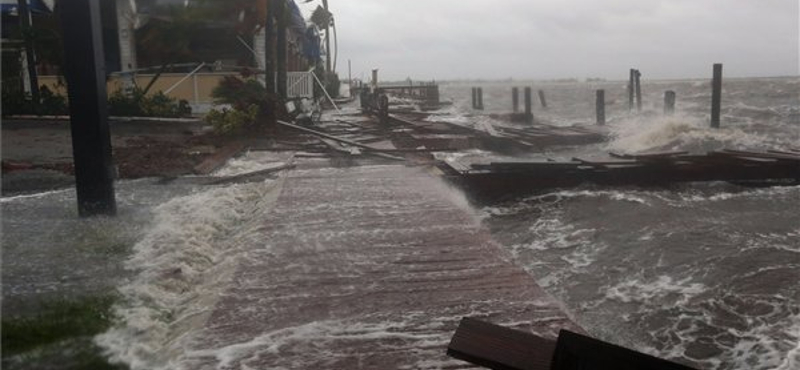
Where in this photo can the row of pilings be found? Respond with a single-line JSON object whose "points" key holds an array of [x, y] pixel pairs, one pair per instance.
{"points": [[634, 88]]}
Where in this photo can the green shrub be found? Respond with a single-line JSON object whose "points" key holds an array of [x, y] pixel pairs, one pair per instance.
{"points": [[136, 103], [229, 121], [15, 101], [242, 94]]}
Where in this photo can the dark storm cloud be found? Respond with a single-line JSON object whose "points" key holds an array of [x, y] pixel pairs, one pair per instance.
{"points": [[447, 39]]}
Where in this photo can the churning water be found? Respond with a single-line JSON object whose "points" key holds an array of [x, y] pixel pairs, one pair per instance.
{"points": [[704, 273]]}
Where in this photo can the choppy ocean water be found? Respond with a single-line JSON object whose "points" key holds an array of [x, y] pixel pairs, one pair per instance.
{"points": [[708, 274]]}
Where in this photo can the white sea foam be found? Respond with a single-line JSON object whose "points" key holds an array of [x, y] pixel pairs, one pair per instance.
{"points": [[663, 291], [253, 161], [181, 264], [792, 360], [682, 132], [33, 196]]}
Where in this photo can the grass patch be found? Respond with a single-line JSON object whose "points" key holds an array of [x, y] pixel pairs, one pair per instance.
{"points": [[60, 335]]}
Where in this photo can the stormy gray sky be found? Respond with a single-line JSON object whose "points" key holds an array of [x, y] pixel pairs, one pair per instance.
{"points": [[542, 39]]}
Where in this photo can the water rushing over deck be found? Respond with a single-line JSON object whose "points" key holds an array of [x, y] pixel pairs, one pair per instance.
{"points": [[306, 272]]}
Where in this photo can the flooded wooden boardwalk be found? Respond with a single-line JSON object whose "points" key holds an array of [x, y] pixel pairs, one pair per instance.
{"points": [[366, 267]]}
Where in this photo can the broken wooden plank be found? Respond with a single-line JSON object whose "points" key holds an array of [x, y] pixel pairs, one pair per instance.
{"points": [[327, 136], [645, 156], [220, 157], [496, 347], [250, 176], [528, 166], [578, 352], [742, 153], [605, 162]]}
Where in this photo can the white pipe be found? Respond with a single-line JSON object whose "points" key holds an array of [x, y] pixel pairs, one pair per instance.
{"points": [[184, 79], [325, 91]]}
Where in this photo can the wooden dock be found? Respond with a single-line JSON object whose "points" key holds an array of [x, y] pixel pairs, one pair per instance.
{"points": [[367, 267], [497, 179]]}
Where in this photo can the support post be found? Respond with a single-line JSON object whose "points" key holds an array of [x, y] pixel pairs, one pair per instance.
{"points": [[638, 81], [528, 105], [30, 57], [350, 77], [86, 84], [669, 102], [631, 89], [716, 95], [269, 48], [515, 98], [280, 54], [474, 98], [542, 99], [327, 44], [600, 106], [480, 98]]}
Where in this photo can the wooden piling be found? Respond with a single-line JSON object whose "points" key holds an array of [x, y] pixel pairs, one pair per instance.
{"points": [[474, 98], [528, 105], [542, 99], [600, 106], [480, 98], [631, 78], [515, 98], [669, 102], [638, 81], [84, 69], [716, 95]]}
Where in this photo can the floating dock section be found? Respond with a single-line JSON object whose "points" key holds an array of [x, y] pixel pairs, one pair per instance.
{"points": [[496, 179]]}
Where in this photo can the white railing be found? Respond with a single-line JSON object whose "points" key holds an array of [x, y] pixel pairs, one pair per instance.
{"points": [[300, 85]]}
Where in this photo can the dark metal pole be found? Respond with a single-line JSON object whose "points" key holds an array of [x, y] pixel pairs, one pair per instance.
{"points": [[716, 95], [669, 102], [600, 105], [638, 81], [30, 56], [515, 98], [480, 98], [280, 54], [542, 99], [84, 68], [528, 105]]}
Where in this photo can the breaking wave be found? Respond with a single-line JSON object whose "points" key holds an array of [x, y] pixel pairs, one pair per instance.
{"points": [[685, 133], [180, 266]]}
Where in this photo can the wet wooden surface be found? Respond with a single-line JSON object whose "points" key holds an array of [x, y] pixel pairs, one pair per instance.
{"points": [[366, 267], [500, 348]]}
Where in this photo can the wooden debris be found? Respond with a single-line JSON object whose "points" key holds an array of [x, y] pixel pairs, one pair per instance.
{"points": [[219, 158], [503, 178], [252, 176], [496, 347]]}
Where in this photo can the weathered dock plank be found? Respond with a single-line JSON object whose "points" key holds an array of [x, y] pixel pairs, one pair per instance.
{"points": [[367, 268]]}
